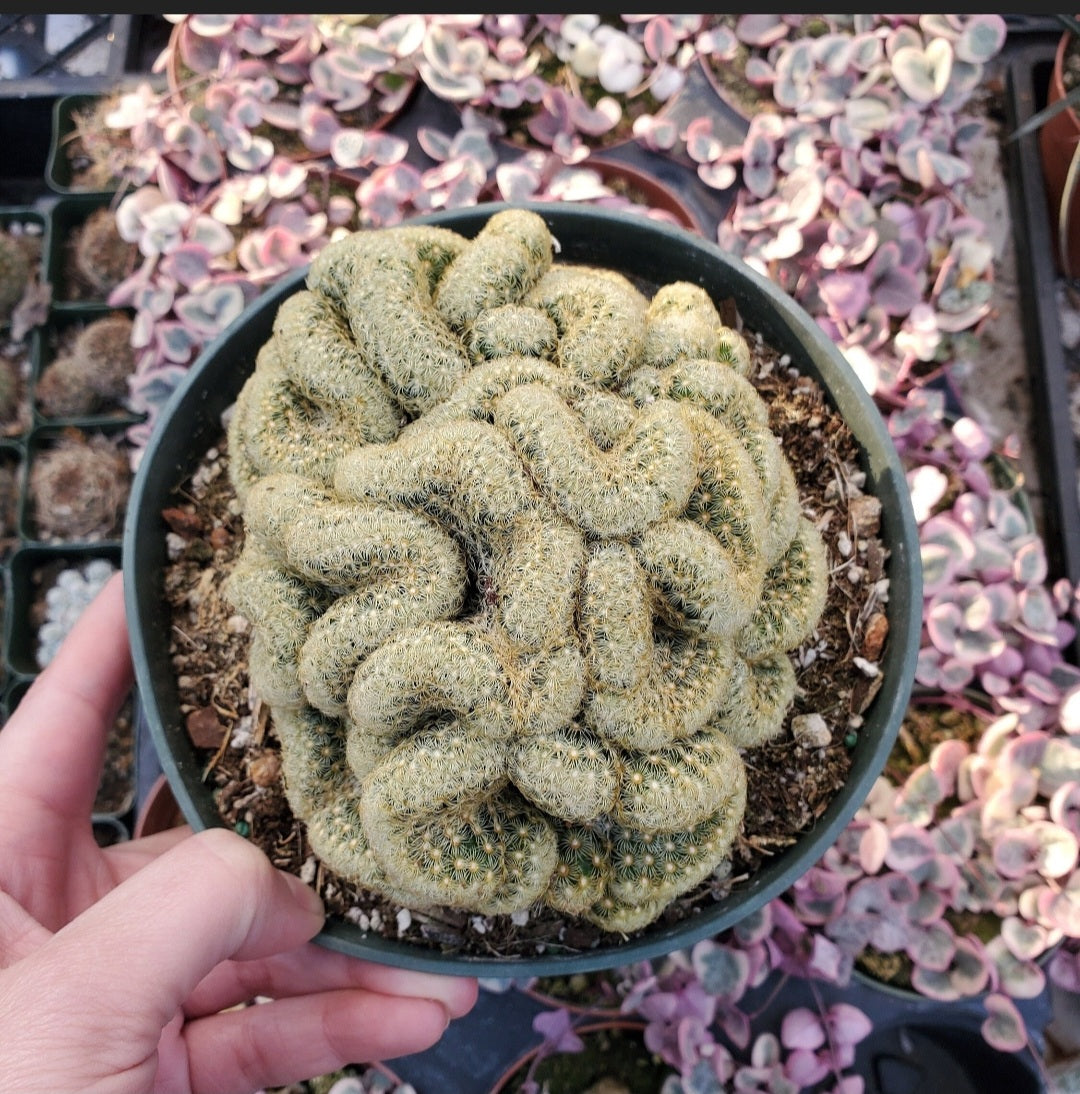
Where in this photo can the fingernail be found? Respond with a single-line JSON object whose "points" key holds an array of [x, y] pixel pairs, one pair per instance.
{"points": [[306, 897]]}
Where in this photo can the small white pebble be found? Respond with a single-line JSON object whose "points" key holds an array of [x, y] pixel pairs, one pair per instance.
{"points": [[65, 601], [236, 624], [240, 738], [307, 871], [519, 919], [174, 545], [811, 730], [867, 668], [479, 924], [404, 921], [807, 657]]}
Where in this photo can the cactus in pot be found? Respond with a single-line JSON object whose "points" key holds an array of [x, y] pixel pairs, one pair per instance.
{"points": [[90, 371], [524, 565]]}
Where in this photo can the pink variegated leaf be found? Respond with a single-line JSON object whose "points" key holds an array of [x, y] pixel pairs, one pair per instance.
{"points": [[1004, 1027]]}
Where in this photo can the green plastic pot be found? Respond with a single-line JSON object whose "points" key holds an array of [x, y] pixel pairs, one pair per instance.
{"points": [[31, 221], [641, 249], [58, 167], [68, 214]]}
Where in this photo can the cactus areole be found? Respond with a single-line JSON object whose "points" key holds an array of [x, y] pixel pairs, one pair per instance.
{"points": [[524, 567]]}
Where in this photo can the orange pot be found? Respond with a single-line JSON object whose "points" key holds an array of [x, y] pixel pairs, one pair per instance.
{"points": [[159, 811], [1058, 139], [632, 1027]]}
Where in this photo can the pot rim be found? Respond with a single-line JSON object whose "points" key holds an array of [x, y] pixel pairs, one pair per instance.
{"points": [[626, 1024], [655, 252], [1056, 76]]}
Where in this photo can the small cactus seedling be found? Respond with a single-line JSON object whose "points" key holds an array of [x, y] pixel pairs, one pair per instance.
{"points": [[11, 390], [92, 372], [78, 487], [15, 271], [524, 566], [102, 257]]}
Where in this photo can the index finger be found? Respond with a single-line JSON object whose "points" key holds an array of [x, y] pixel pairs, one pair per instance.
{"points": [[53, 746]]}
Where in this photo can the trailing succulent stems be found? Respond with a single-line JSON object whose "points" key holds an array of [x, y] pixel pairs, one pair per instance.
{"points": [[524, 565]]}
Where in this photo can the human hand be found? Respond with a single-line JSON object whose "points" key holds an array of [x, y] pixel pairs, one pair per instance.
{"points": [[121, 968]]}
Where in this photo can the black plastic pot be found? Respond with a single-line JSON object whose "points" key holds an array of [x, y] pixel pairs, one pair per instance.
{"points": [[656, 253], [932, 1056], [916, 1045], [1027, 75]]}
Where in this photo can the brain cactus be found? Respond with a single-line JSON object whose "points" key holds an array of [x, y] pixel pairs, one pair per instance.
{"points": [[523, 562]]}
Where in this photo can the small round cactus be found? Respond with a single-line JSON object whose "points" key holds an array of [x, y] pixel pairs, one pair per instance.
{"points": [[524, 566], [92, 373], [78, 487], [103, 258], [14, 273], [12, 386]]}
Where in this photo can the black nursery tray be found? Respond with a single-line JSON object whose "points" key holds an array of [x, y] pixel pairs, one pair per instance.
{"points": [[1027, 78], [30, 561]]}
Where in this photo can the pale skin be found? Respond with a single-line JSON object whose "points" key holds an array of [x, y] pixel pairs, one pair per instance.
{"points": [[122, 969]]}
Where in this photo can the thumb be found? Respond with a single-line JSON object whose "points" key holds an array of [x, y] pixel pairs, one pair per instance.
{"points": [[132, 959]]}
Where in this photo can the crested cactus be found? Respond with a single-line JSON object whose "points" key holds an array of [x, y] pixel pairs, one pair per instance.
{"points": [[524, 566]]}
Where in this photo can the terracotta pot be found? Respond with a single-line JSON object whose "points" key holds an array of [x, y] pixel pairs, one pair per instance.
{"points": [[657, 194], [625, 171], [561, 999], [180, 85], [159, 812], [1058, 141], [614, 1059]]}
